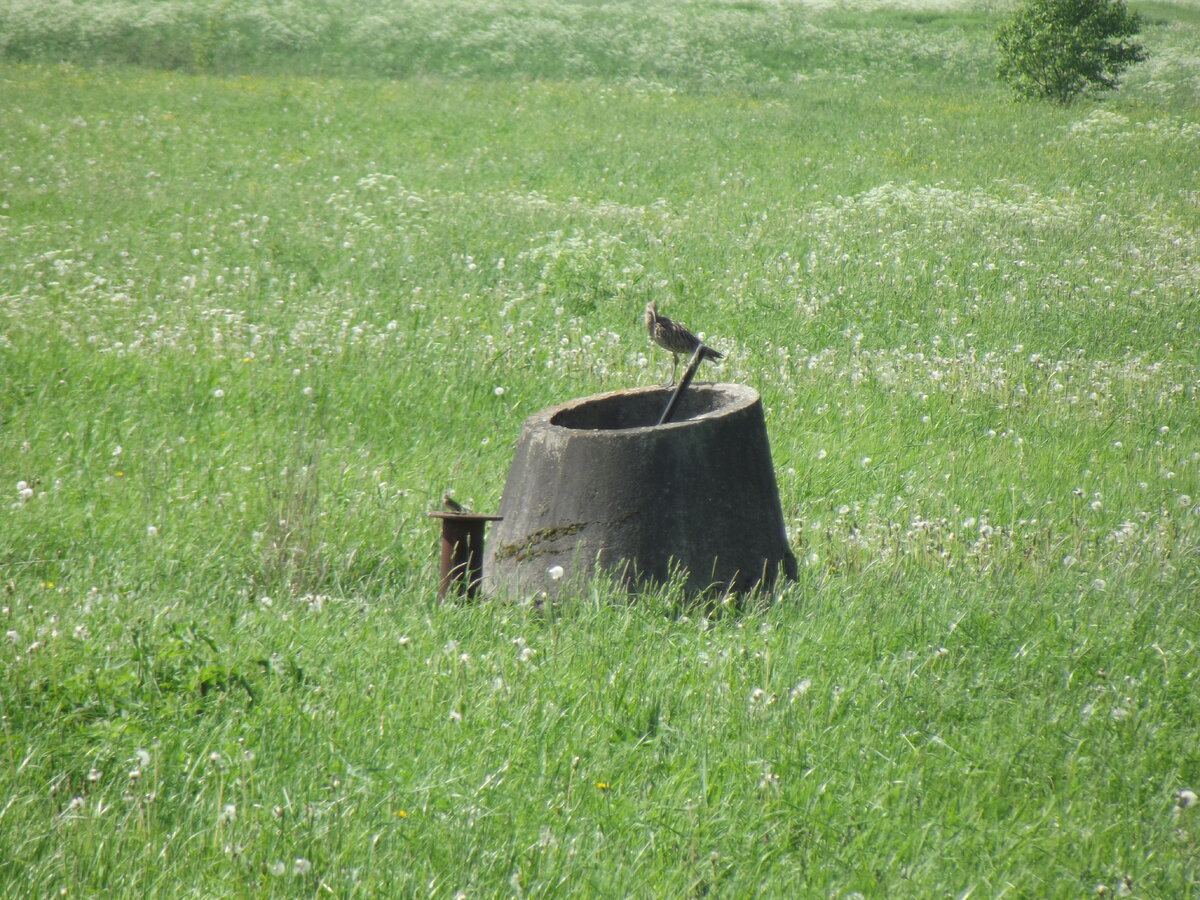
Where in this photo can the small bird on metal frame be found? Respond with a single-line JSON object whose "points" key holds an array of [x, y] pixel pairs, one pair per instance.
{"points": [[451, 504], [670, 335]]}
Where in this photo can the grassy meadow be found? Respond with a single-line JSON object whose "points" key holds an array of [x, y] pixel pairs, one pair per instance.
{"points": [[275, 277]]}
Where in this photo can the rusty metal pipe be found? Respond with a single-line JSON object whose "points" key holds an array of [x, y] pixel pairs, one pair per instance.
{"points": [[688, 374], [461, 570]]}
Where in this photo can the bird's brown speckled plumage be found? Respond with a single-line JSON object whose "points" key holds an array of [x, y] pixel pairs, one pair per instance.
{"points": [[670, 335]]}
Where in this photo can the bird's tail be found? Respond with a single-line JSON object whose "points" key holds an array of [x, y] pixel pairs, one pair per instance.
{"points": [[710, 353]]}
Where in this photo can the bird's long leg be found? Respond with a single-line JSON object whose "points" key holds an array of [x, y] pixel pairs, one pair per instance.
{"points": [[672, 379], [674, 366]]}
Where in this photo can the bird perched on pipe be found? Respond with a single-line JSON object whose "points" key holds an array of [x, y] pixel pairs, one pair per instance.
{"points": [[670, 335]]}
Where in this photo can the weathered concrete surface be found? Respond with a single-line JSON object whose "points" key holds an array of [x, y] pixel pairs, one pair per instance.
{"points": [[594, 482]]}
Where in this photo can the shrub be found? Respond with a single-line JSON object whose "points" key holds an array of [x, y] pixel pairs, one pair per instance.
{"points": [[1058, 49]]}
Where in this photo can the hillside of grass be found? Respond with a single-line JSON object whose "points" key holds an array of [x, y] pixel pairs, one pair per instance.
{"points": [[274, 279]]}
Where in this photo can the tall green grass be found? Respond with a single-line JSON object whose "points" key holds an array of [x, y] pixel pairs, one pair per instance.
{"points": [[253, 325], [696, 42]]}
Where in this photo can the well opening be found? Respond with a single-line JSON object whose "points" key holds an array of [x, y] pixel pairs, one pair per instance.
{"points": [[615, 412]]}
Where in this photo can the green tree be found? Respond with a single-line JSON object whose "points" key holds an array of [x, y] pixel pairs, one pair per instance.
{"points": [[1058, 49]]}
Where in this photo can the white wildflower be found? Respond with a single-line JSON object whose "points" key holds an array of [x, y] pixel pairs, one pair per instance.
{"points": [[801, 689]]}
